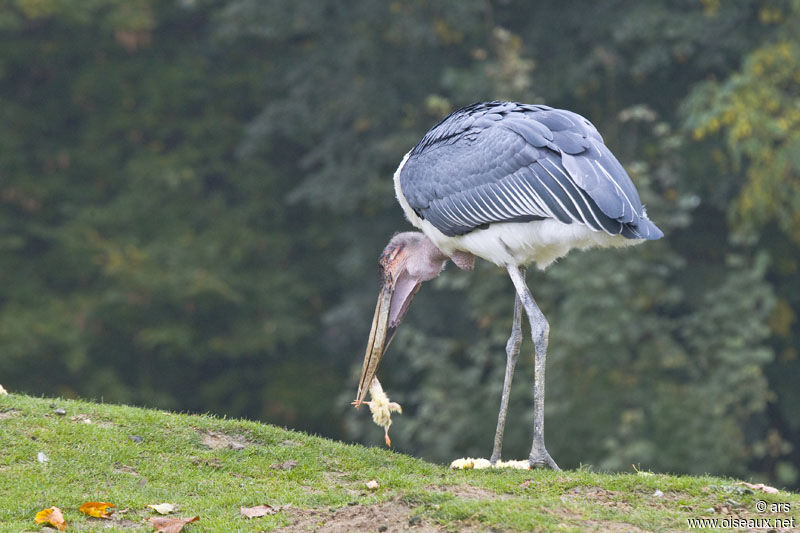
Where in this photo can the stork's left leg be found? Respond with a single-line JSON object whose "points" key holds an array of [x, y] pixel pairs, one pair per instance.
{"points": [[512, 354], [540, 330]]}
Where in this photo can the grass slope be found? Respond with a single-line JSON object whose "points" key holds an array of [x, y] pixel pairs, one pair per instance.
{"points": [[210, 467]]}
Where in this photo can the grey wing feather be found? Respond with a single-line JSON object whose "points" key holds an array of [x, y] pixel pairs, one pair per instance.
{"points": [[506, 162]]}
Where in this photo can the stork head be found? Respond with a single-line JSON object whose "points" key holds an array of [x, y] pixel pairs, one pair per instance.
{"points": [[409, 259]]}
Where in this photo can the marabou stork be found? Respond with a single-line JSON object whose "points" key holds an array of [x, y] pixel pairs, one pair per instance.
{"points": [[513, 184]]}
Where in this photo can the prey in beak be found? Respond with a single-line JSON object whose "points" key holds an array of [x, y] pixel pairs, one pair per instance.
{"points": [[409, 259]]}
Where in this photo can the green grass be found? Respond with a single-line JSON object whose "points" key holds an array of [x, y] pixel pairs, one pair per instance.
{"points": [[135, 457]]}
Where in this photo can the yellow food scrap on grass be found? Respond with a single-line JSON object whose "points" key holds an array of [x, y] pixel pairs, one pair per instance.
{"points": [[469, 463], [519, 465]]}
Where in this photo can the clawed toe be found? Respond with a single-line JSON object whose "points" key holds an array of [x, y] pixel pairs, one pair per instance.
{"points": [[543, 460]]}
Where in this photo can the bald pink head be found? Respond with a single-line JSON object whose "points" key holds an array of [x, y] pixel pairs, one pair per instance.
{"points": [[409, 259]]}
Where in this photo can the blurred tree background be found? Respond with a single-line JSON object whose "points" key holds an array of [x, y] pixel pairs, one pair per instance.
{"points": [[194, 193]]}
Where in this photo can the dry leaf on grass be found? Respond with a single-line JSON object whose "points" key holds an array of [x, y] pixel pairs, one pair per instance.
{"points": [[163, 508], [97, 509], [760, 486], [261, 510], [171, 525], [51, 516]]}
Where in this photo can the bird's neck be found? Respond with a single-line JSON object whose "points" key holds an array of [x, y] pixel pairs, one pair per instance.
{"points": [[463, 260]]}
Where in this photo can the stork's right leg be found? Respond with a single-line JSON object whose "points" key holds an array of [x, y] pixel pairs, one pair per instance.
{"points": [[512, 354], [540, 330]]}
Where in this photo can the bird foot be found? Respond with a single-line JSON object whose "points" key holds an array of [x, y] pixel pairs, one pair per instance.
{"points": [[358, 403], [542, 460]]}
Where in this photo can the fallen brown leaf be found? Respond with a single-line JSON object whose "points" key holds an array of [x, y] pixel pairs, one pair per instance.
{"points": [[52, 516], [261, 510], [760, 486], [96, 509], [171, 525]]}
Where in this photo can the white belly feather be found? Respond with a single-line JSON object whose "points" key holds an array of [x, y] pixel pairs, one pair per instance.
{"points": [[514, 243]]}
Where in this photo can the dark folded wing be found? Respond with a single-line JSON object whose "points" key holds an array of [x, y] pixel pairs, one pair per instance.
{"points": [[503, 162]]}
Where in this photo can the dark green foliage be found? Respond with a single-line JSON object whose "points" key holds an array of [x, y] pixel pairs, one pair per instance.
{"points": [[143, 260], [193, 196]]}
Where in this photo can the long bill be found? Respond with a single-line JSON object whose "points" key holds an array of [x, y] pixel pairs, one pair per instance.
{"points": [[379, 336]]}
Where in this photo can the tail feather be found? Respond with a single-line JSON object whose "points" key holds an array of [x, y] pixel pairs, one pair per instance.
{"points": [[642, 229]]}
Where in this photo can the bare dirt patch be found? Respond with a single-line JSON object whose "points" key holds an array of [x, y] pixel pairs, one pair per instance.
{"points": [[577, 498], [211, 462], [9, 413], [391, 516], [286, 465], [338, 479], [468, 492], [597, 496], [608, 525], [666, 500], [575, 518], [125, 469], [83, 418], [216, 440], [335, 477]]}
